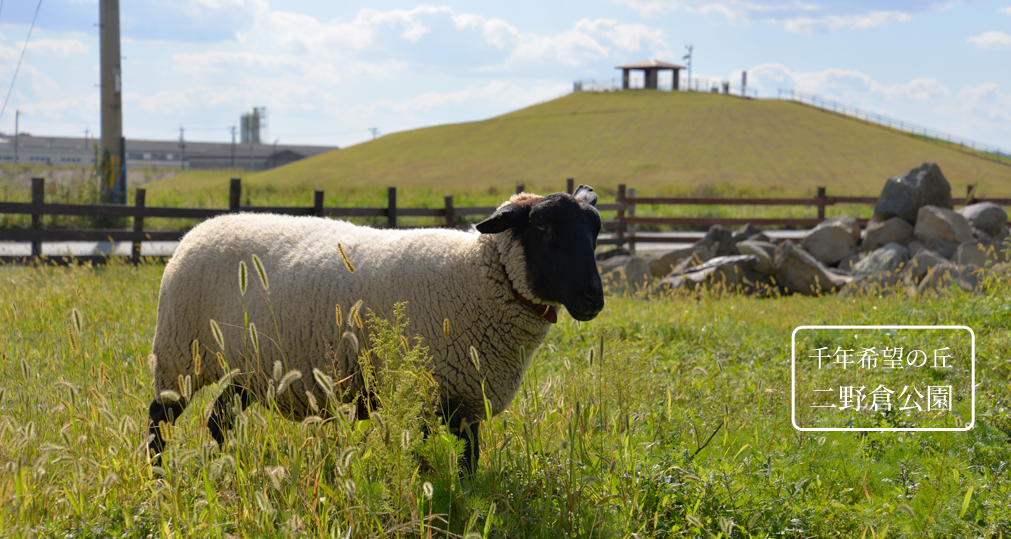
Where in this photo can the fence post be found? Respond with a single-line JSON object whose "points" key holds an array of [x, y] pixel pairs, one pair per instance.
{"points": [[821, 203], [620, 232], [570, 185], [317, 203], [138, 223], [235, 195], [631, 228], [450, 212], [520, 188], [391, 207], [38, 199]]}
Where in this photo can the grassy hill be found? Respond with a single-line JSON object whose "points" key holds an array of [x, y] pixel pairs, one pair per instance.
{"points": [[656, 142]]}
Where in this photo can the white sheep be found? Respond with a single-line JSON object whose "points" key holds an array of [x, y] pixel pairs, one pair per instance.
{"points": [[498, 287]]}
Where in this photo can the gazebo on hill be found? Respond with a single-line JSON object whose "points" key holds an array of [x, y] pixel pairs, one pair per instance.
{"points": [[651, 69]]}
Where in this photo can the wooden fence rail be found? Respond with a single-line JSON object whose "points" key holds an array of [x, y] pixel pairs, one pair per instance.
{"points": [[623, 225]]}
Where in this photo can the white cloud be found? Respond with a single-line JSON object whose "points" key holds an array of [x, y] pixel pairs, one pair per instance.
{"points": [[842, 84], [986, 100], [498, 92], [1005, 10], [57, 47], [991, 40], [795, 15]]}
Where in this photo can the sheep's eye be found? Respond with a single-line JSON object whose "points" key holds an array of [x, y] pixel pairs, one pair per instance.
{"points": [[542, 228]]}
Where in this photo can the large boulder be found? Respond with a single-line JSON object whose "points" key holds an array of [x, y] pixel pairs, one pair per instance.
{"points": [[701, 256], [903, 196], [798, 271], [872, 284], [724, 273], [942, 277], [921, 263], [980, 253], [833, 239], [763, 250], [662, 266], [941, 224], [719, 241], [624, 274], [887, 259], [846, 265], [985, 216], [746, 232], [881, 233]]}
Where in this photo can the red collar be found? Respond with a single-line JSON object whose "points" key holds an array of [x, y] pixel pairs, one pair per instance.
{"points": [[547, 311]]}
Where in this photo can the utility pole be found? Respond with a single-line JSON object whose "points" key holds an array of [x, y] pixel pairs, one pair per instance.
{"points": [[375, 132], [113, 190], [233, 145], [17, 132], [182, 149], [689, 58], [251, 165]]}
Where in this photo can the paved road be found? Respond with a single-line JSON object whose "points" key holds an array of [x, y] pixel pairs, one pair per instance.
{"points": [[166, 248]]}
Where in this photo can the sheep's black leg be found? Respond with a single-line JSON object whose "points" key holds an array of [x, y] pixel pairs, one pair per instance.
{"points": [[157, 413], [362, 408], [471, 446], [223, 414]]}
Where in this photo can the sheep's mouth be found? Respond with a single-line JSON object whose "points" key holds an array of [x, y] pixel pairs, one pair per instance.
{"points": [[584, 316]]}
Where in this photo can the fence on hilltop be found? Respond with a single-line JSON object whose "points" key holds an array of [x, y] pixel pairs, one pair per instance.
{"points": [[623, 226]]}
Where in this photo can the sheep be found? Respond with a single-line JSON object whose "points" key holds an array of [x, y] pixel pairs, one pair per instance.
{"points": [[498, 285]]}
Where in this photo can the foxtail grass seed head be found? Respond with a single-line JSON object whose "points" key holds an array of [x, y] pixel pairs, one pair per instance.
{"points": [[255, 337], [349, 487], [475, 358], [352, 340], [278, 372], [353, 312], [591, 355], [216, 331], [346, 456], [290, 378], [186, 388], [324, 382], [312, 401], [337, 310], [358, 320], [428, 490], [445, 327], [77, 320], [221, 361], [243, 276], [344, 257], [405, 439], [26, 371], [261, 272], [196, 357], [168, 396], [72, 337]]}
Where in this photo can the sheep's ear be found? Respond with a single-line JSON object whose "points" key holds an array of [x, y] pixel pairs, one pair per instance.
{"points": [[504, 218], [586, 194]]}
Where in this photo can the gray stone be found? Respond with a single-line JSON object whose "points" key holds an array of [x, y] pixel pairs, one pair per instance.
{"points": [[868, 285], [798, 271], [934, 223], [980, 253], [846, 264], [921, 263], [732, 274], [833, 239], [941, 278], [700, 257], [764, 251], [903, 196], [915, 246], [880, 233], [746, 232], [719, 241], [625, 274], [617, 251], [887, 259], [760, 237], [666, 264], [985, 216]]}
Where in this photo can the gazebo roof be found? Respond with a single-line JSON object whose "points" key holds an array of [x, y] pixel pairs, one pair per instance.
{"points": [[646, 64]]}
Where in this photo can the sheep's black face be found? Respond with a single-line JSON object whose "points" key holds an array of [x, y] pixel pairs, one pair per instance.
{"points": [[559, 234]]}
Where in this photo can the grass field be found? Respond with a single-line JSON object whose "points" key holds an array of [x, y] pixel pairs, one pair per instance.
{"points": [[667, 417], [657, 142]]}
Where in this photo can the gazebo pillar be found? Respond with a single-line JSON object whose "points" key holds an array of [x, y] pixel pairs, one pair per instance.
{"points": [[651, 75], [624, 79]]}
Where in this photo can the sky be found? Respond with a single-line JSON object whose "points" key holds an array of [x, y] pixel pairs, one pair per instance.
{"points": [[328, 72]]}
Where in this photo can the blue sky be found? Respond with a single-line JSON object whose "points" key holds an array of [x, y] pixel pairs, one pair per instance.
{"points": [[329, 71]]}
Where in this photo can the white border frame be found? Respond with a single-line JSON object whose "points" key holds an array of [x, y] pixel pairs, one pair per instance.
{"points": [[793, 383]]}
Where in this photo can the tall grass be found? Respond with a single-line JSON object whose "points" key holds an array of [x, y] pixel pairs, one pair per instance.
{"points": [[663, 417]]}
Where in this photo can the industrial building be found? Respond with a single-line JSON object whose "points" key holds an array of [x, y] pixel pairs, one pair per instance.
{"points": [[61, 151]]}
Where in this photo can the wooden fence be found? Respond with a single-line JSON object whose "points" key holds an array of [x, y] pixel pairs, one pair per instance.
{"points": [[623, 225]]}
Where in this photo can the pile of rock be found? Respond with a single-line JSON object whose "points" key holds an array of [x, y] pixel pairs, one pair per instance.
{"points": [[915, 240]]}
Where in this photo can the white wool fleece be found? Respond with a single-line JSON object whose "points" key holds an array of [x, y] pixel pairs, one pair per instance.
{"points": [[466, 277]]}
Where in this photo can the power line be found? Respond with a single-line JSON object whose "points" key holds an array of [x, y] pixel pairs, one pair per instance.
{"points": [[23, 49]]}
